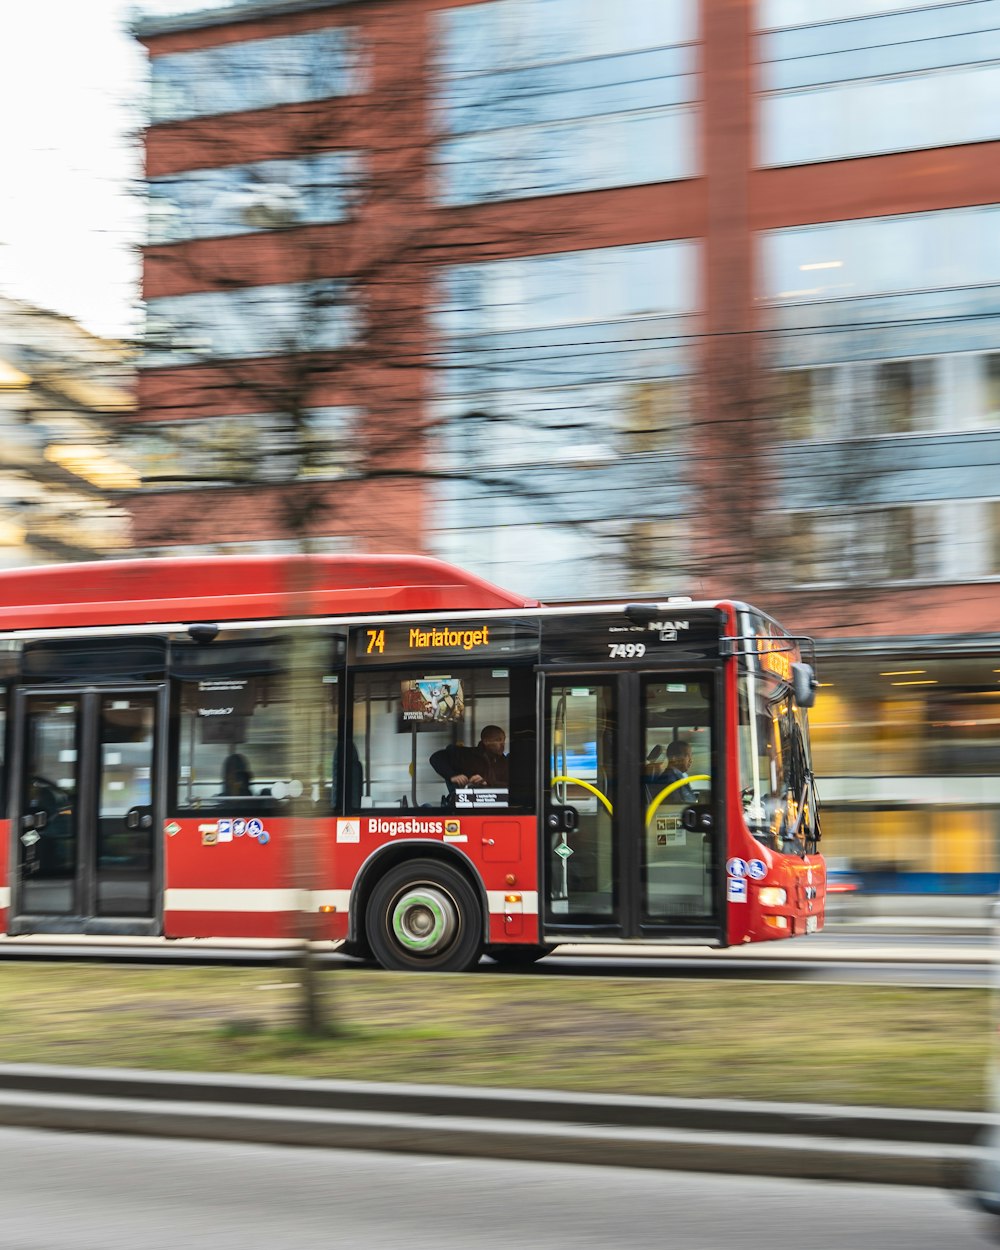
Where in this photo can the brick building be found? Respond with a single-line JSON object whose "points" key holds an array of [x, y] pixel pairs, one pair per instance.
{"points": [[598, 299]]}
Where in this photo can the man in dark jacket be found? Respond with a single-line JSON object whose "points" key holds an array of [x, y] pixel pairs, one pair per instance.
{"points": [[482, 767]]}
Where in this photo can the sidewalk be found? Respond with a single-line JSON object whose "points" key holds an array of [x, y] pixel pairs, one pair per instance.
{"points": [[810, 1141], [880, 939]]}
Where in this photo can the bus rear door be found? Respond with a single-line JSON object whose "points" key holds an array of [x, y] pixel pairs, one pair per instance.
{"points": [[87, 807]]}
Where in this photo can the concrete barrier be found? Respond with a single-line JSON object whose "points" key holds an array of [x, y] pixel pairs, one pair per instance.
{"points": [[812, 1141]]}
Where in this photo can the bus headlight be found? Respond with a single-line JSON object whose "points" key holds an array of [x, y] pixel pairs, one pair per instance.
{"points": [[772, 896]]}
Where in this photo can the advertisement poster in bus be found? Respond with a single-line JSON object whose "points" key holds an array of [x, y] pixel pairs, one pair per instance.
{"points": [[432, 701]]}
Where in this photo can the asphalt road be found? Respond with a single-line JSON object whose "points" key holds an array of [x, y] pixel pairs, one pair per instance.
{"points": [[93, 1192]]}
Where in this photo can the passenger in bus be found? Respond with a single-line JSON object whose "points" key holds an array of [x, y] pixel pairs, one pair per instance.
{"points": [[236, 775], [521, 765], [355, 779], [482, 767], [661, 773]]}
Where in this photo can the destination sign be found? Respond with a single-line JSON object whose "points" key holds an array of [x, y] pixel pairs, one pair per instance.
{"points": [[466, 640]]}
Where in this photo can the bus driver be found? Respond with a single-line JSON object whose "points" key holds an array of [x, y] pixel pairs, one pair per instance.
{"points": [[483, 766]]}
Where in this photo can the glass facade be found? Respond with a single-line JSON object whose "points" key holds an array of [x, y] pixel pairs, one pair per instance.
{"points": [[540, 97], [563, 385], [884, 341], [851, 79], [254, 74], [244, 199]]}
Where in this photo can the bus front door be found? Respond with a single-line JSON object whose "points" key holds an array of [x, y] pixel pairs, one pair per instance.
{"points": [[631, 829], [87, 810]]}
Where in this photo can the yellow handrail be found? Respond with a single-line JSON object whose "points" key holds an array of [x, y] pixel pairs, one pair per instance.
{"points": [[674, 785], [651, 810], [587, 786]]}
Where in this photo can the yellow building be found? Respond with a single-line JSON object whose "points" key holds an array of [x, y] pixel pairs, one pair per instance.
{"points": [[64, 395]]}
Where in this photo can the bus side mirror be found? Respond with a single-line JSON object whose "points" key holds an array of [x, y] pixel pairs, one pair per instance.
{"points": [[804, 684]]}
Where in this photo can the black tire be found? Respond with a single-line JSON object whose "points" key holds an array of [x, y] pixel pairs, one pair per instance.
{"points": [[355, 950], [517, 956], [424, 916]]}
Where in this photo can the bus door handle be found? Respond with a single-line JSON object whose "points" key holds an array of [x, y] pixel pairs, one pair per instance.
{"points": [[138, 818], [697, 819], [563, 819]]}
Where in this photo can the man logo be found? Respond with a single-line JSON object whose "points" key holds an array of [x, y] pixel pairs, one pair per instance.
{"points": [[452, 827]]}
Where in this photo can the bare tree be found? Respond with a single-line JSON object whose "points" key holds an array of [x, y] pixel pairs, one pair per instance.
{"points": [[293, 374]]}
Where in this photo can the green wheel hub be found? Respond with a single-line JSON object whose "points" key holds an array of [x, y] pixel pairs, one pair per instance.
{"points": [[424, 919]]}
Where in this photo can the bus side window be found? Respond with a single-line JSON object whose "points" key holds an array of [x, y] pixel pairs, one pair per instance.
{"points": [[404, 719], [246, 743]]}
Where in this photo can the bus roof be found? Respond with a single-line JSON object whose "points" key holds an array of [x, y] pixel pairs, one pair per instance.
{"points": [[225, 588]]}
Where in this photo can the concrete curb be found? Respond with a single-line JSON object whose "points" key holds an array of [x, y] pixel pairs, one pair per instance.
{"points": [[889, 1163], [811, 1141]]}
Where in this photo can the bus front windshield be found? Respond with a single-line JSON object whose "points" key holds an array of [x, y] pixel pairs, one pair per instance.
{"points": [[775, 768]]}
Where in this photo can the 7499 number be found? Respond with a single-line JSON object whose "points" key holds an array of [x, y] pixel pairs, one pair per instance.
{"points": [[626, 650]]}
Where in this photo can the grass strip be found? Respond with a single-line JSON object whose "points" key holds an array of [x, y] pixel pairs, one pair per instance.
{"points": [[906, 1046]]}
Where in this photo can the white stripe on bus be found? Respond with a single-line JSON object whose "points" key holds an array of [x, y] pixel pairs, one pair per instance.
{"points": [[291, 900], [254, 900]]}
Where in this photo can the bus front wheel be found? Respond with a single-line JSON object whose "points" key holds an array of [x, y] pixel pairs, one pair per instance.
{"points": [[424, 916]]}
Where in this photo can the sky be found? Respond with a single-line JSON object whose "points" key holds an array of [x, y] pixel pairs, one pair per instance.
{"points": [[71, 93]]}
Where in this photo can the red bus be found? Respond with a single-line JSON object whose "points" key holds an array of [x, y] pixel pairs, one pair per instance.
{"points": [[472, 770]]}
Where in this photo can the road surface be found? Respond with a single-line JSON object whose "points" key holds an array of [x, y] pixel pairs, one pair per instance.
{"points": [[90, 1192]]}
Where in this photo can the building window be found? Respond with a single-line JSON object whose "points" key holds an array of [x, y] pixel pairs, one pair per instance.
{"points": [[245, 199], [989, 387], [927, 76], [570, 95], [563, 288], [253, 447], [653, 412], [917, 252], [776, 14], [993, 532], [889, 544], [903, 396], [804, 403], [278, 320], [254, 74], [857, 399], [918, 285]]}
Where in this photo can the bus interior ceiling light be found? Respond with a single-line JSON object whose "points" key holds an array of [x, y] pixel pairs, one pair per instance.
{"points": [[203, 632]]}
